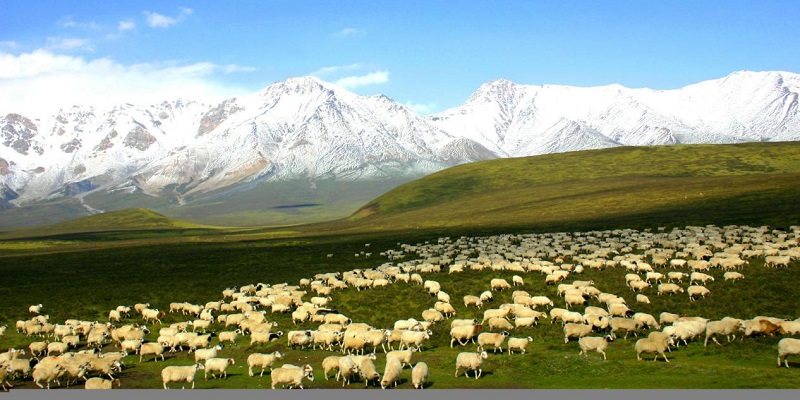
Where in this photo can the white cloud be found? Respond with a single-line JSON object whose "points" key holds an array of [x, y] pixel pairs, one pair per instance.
{"points": [[123, 26], [59, 43], [335, 69], [352, 82], [69, 22], [422, 109], [156, 20], [40, 82], [9, 43], [349, 32]]}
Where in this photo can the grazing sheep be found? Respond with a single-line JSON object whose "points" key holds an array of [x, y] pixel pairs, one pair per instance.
{"points": [[576, 330], [347, 369], [419, 375], [640, 298], [732, 276], [646, 320], [471, 361], [619, 310], [697, 291], [518, 344], [470, 300], [325, 339], [291, 376], [787, 347], [100, 383], [391, 373], [727, 326], [155, 349], [499, 284], [700, 277], [217, 365], [432, 287], [625, 324], [494, 339], [517, 280], [413, 338], [486, 296], [183, 374], [669, 288], [404, 356], [599, 344], [433, 316], [649, 345], [262, 360], [445, 308]]}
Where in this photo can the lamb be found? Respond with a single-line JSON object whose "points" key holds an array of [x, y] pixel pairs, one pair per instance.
{"points": [[100, 383], [463, 334], [262, 360], [419, 375], [787, 347], [697, 291], [650, 345], [518, 344], [347, 369], [669, 288], [640, 298], [205, 354], [576, 330], [291, 376], [391, 373], [499, 284], [183, 374], [727, 326], [155, 349], [732, 276], [471, 361], [494, 339], [599, 344], [217, 365]]}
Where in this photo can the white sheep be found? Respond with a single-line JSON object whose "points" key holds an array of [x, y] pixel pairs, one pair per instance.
{"points": [[155, 349], [700, 277], [676, 276], [787, 347], [291, 376], [499, 323], [220, 365], [419, 375], [646, 320], [625, 324], [572, 299], [325, 339], [432, 287], [183, 374], [667, 318], [414, 339], [367, 370], [229, 336], [732, 276], [650, 345], [486, 296], [499, 284], [347, 369], [205, 354], [520, 322], [494, 339], [640, 298], [432, 316], [471, 361], [726, 326], [391, 373], [35, 309], [697, 291], [152, 315], [599, 344], [404, 356], [518, 344], [517, 280], [47, 374], [576, 330], [100, 383], [262, 360], [443, 296]]}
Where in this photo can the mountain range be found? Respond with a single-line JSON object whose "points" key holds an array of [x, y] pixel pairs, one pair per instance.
{"points": [[303, 129]]}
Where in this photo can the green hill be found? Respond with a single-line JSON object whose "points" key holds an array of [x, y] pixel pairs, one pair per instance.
{"points": [[626, 186]]}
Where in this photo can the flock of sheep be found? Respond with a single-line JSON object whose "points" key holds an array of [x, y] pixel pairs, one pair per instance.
{"points": [[664, 263]]}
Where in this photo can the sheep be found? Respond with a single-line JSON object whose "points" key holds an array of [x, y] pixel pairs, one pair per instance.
{"points": [[499, 284], [627, 325], [152, 315], [105, 366], [776, 261], [495, 313], [183, 374], [35, 309], [494, 339], [576, 330], [155, 349], [646, 320], [471, 361], [517, 280], [669, 288], [57, 348], [518, 344], [264, 337], [132, 345], [640, 298], [520, 322], [443, 296], [38, 348], [391, 373], [432, 287], [790, 327], [571, 316], [100, 383], [325, 339], [229, 336], [340, 319], [419, 375], [575, 300], [700, 277], [499, 323], [471, 300], [486, 296], [619, 310], [676, 276], [291, 376], [639, 285], [632, 278], [759, 326], [667, 318], [219, 365], [21, 366], [726, 326], [787, 347], [47, 374], [433, 316], [347, 369], [650, 345], [205, 354], [445, 308], [697, 291], [463, 334], [732, 276], [599, 344], [409, 338], [262, 360], [330, 363], [114, 315]]}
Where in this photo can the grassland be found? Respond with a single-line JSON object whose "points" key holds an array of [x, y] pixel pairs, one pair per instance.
{"points": [[84, 269]]}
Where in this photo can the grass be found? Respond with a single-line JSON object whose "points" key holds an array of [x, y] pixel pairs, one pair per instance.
{"points": [[84, 268]]}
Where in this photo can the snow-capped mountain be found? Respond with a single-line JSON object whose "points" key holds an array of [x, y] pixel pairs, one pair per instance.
{"points": [[304, 128]]}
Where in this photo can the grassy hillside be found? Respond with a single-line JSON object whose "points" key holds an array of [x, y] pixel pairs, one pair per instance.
{"points": [[626, 186]]}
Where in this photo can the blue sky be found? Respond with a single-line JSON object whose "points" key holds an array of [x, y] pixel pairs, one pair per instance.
{"points": [[430, 55]]}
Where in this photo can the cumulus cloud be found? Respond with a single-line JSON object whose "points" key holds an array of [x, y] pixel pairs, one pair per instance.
{"points": [[40, 82], [352, 82], [156, 20], [422, 109]]}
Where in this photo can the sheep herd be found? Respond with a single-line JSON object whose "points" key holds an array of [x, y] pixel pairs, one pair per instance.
{"points": [[678, 262]]}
